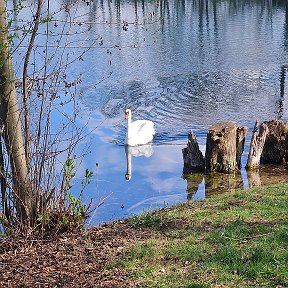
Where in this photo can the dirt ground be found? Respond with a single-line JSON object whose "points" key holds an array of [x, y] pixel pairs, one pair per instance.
{"points": [[70, 260]]}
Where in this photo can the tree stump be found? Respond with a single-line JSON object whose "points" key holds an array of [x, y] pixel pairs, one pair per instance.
{"points": [[275, 150], [256, 145], [224, 147], [192, 156]]}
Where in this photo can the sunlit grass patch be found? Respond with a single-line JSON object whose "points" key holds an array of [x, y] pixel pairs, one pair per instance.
{"points": [[152, 219], [184, 251], [167, 277], [147, 249], [237, 240]]}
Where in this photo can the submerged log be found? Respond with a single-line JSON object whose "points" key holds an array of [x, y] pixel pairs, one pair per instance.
{"points": [[192, 156], [256, 145], [275, 150], [224, 147]]}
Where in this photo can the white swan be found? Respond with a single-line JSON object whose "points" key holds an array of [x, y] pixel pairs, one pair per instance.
{"points": [[139, 132]]}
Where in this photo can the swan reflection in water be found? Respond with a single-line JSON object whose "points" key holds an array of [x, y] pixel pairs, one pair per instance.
{"points": [[136, 151]]}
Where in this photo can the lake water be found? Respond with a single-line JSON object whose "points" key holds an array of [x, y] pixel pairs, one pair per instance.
{"points": [[182, 64]]}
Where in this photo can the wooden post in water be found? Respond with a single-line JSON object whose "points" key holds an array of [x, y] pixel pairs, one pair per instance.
{"points": [[224, 147], [256, 145], [192, 156]]}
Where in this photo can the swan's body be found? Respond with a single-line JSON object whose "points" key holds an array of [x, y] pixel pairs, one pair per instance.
{"points": [[139, 132]]}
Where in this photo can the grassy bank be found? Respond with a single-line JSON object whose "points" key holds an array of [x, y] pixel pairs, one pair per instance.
{"points": [[236, 240]]}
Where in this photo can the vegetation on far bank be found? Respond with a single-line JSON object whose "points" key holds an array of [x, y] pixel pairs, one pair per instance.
{"points": [[235, 240]]}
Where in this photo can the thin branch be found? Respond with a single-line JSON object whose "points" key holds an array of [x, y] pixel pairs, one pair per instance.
{"points": [[25, 79]]}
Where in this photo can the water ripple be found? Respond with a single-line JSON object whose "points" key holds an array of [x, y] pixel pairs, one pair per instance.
{"points": [[190, 101]]}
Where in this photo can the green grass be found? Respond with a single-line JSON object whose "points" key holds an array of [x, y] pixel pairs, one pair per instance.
{"points": [[236, 240]]}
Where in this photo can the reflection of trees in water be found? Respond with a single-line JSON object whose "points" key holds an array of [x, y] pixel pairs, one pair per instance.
{"points": [[164, 8], [284, 67], [198, 27], [280, 110]]}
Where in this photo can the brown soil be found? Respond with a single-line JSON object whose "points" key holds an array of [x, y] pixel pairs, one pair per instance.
{"points": [[70, 260]]}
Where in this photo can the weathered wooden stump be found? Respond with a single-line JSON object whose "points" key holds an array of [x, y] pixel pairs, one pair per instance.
{"points": [[224, 147], [275, 150], [192, 156], [256, 145]]}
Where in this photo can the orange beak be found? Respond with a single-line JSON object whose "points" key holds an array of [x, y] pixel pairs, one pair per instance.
{"points": [[126, 116]]}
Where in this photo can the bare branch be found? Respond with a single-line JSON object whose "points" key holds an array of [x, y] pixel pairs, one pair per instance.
{"points": [[25, 79]]}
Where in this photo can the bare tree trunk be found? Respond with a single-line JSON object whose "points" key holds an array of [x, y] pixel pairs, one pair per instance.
{"points": [[256, 145], [10, 118]]}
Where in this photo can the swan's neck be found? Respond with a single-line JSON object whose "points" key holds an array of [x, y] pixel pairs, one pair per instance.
{"points": [[128, 128]]}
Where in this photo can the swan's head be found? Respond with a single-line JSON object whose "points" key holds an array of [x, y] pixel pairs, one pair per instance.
{"points": [[127, 113], [127, 176]]}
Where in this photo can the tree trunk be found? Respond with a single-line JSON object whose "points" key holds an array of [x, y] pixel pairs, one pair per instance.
{"points": [[12, 133], [275, 150], [256, 145], [241, 133], [192, 156], [224, 147]]}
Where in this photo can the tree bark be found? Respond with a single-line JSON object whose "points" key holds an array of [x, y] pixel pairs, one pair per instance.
{"points": [[224, 147], [12, 132], [241, 133], [256, 145], [275, 150]]}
